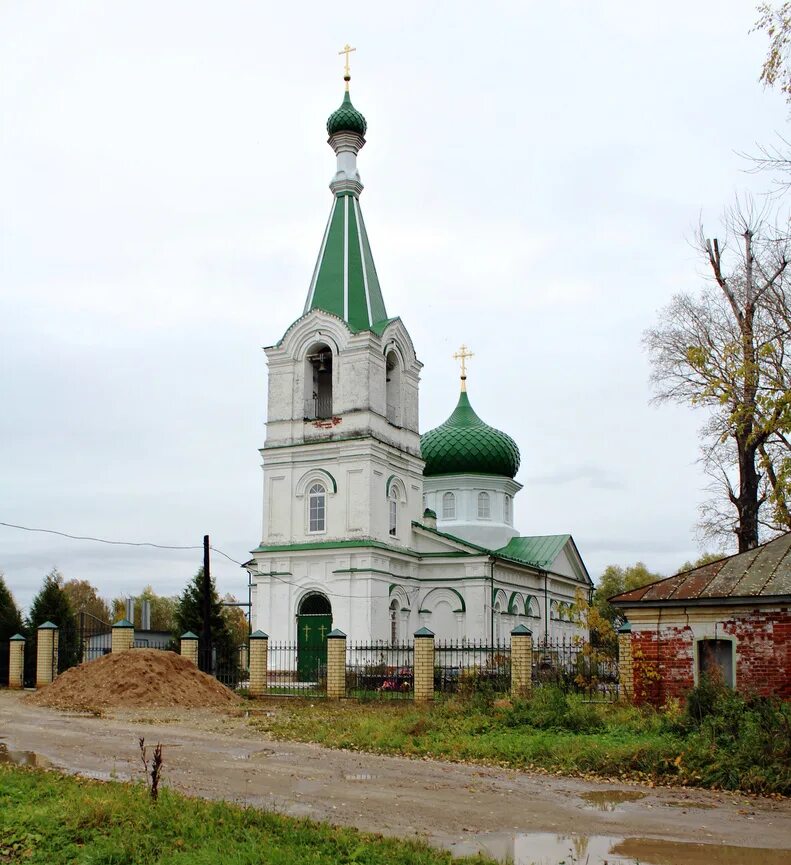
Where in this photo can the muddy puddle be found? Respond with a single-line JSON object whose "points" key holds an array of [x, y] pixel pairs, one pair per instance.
{"points": [[23, 758], [545, 848], [609, 800]]}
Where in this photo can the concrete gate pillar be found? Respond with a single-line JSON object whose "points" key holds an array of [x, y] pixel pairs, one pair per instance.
{"points": [[336, 664], [123, 637], [16, 661], [521, 661], [46, 654], [188, 646], [259, 661], [423, 666], [625, 662]]}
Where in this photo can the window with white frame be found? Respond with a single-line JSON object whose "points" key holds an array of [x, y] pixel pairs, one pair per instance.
{"points": [[317, 508], [393, 504], [507, 510], [484, 507], [449, 506]]}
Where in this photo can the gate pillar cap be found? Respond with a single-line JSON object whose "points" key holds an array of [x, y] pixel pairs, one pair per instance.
{"points": [[188, 635], [521, 631], [17, 638], [259, 635], [123, 623], [47, 626], [335, 633], [626, 628], [424, 632]]}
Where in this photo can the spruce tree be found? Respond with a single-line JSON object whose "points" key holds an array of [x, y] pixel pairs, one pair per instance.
{"points": [[10, 617], [52, 604], [189, 617]]}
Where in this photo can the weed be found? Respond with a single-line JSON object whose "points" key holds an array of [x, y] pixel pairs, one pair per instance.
{"points": [[152, 774]]}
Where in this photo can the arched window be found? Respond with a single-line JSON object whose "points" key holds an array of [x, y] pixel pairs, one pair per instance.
{"points": [[484, 507], [317, 509], [393, 388], [449, 506], [554, 612], [318, 382], [394, 611], [392, 501], [507, 510]]}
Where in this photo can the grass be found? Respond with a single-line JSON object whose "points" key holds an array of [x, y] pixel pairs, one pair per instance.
{"points": [[737, 746], [51, 819]]}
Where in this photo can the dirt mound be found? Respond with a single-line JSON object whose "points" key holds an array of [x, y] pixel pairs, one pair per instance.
{"points": [[139, 678]]}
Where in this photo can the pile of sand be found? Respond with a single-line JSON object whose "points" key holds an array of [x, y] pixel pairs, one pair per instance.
{"points": [[136, 679]]}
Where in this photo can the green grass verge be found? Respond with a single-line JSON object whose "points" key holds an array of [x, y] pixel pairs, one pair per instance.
{"points": [[552, 734], [51, 819]]}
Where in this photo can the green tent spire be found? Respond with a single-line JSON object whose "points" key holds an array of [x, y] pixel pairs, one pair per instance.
{"points": [[345, 282]]}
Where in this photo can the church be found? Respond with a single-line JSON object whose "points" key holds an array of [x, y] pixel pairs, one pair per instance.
{"points": [[368, 526]]}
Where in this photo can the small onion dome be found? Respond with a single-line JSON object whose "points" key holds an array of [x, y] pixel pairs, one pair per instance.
{"points": [[346, 119], [464, 444]]}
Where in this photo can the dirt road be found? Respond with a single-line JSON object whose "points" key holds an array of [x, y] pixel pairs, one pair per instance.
{"points": [[462, 807]]}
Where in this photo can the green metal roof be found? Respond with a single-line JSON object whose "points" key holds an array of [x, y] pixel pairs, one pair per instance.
{"points": [[465, 444], [346, 118], [345, 282], [539, 550]]}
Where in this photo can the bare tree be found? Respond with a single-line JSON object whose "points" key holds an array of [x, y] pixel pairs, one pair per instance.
{"points": [[725, 349]]}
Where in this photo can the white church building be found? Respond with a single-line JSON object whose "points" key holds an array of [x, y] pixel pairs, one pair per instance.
{"points": [[368, 526]]}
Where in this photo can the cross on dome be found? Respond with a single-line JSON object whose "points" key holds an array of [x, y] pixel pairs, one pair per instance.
{"points": [[347, 50], [461, 355]]}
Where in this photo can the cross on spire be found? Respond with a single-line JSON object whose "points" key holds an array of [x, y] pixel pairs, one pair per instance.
{"points": [[461, 355], [347, 50]]}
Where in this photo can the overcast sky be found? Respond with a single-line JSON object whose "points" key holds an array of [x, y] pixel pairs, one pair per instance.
{"points": [[533, 174]]}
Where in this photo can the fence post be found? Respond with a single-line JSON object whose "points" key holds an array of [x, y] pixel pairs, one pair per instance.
{"points": [[336, 664], [625, 664], [188, 646], [521, 661], [423, 674], [46, 668], [123, 637], [259, 659], [16, 661]]}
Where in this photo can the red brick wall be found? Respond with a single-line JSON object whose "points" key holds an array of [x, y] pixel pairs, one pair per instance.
{"points": [[663, 659]]}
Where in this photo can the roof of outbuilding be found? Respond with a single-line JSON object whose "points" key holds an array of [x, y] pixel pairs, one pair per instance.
{"points": [[760, 573]]}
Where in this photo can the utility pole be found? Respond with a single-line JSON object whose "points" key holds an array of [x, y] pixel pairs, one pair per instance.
{"points": [[205, 640]]}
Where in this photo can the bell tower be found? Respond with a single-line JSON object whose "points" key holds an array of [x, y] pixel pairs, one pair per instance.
{"points": [[342, 460]]}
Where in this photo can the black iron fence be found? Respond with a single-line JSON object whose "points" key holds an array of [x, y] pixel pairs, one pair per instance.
{"points": [[379, 670], [96, 637], [296, 671], [468, 667], [577, 666]]}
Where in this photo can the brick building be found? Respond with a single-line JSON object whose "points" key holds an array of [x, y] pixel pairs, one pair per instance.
{"points": [[732, 616]]}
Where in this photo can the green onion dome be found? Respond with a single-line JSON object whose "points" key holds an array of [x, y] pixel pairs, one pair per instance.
{"points": [[346, 118], [464, 444]]}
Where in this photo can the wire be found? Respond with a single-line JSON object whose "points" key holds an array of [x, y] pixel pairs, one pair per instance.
{"points": [[105, 541]]}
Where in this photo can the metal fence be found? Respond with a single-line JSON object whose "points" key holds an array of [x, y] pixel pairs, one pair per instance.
{"points": [[469, 667], [5, 652], [96, 637], [379, 670], [577, 666], [296, 671], [163, 644]]}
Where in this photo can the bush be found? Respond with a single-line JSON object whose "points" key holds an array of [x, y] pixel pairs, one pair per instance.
{"points": [[550, 708]]}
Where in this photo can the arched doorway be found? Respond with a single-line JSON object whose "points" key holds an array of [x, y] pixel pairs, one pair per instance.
{"points": [[314, 622]]}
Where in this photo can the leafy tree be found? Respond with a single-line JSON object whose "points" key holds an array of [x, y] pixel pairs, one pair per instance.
{"points": [[236, 620], [615, 580], [776, 23], [189, 617], [84, 597], [163, 610], [52, 604], [10, 617], [704, 559], [726, 350]]}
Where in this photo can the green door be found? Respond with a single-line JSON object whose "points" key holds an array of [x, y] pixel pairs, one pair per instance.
{"points": [[312, 630]]}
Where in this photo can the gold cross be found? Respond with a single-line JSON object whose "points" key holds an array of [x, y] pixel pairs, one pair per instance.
{"points": [[307, 631], [462, 354], [347, 50], [323, 631]]}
